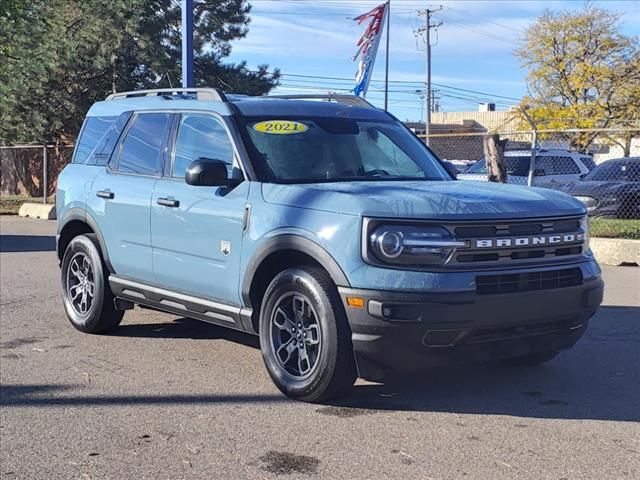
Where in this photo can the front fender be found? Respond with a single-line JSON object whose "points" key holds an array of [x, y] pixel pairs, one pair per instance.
{"points": [[290, 241]]}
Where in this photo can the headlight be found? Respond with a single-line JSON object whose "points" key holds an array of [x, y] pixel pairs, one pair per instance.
{"points": [[412, 245], [584, 225], [588, 202]]}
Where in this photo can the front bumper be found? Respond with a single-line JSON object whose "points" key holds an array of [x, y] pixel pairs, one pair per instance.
{"points": [[411, 331]]}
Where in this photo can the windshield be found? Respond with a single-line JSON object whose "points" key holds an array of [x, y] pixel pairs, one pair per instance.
{"points": [[295, 150], [517, 166], [625, 171]]}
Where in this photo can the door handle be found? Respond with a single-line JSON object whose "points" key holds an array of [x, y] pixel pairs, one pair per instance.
{"points": [[168, 202], [105, 194]]}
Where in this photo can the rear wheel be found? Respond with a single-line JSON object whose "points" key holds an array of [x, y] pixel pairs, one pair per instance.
{"points": [[305, 337], [531, 360], [87, 298]]}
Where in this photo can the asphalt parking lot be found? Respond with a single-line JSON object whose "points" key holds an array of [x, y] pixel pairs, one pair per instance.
{"points": [[170, 398]]}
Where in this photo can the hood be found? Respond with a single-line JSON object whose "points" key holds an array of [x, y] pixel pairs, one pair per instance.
{"points": [[446, 200], [597, 188]]}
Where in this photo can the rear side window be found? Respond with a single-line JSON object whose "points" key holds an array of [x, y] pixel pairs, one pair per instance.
{"points": [[93, 130], [141, 150], [565, 166], [588, 162], [546, 165], [201, 136]]}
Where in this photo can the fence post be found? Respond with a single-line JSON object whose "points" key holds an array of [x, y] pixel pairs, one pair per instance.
{"points": [[44, 174], [532, 162]]}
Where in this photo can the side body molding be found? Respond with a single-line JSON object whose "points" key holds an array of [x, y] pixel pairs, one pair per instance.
{"points": [[291, 242]]}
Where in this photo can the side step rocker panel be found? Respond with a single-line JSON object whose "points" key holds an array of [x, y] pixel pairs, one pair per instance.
{"points": [[180, 304]]}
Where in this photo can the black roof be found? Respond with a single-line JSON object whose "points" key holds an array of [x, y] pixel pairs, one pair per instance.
{"points": [[276, 107]]}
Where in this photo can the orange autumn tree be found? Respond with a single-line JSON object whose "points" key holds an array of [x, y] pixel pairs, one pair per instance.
{"points": [[583, 72]]}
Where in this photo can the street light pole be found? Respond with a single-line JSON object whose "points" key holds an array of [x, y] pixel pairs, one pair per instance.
{"points": [[187, 43]]}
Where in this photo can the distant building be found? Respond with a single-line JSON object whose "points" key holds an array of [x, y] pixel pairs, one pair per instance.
{"points": [[458, 135], [486, 120]]}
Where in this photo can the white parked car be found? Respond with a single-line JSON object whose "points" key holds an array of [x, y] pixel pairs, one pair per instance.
{"points": [[551, 166]]}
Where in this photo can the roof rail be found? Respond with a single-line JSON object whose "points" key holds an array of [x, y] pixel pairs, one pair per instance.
{"points": [[214, 94], [339, 98]]}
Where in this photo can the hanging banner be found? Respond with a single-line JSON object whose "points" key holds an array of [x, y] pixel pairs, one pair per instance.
{"points": [[368, 46]]}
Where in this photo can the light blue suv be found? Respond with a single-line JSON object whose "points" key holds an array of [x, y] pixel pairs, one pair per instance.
{"points": [[322, 225]]}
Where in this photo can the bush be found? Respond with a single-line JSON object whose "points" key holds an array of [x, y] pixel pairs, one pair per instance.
{"points": [[613, 228]]}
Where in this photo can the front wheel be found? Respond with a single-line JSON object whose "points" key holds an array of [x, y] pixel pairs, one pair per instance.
{"points": [[305, 337], [86, 295]]}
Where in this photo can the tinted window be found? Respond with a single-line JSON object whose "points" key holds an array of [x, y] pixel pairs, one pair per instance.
{"points": [[93, 130], [616, 171], [565, 166], [103, 150], [588, 162], [516, 166], [201, 136], [545, 164], [141, 151]]}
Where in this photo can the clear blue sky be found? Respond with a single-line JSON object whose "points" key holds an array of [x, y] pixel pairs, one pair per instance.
{"points": [[473, 48]]}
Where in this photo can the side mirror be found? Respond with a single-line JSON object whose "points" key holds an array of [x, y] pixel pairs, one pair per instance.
{"points": [[539, 172], [206, 172], [450, 168]]}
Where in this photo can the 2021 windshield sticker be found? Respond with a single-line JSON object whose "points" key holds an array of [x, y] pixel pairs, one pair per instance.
{"points": [[280, 127]]}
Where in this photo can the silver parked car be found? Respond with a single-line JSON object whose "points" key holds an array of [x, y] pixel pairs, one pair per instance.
{"points": [[551, 167]]}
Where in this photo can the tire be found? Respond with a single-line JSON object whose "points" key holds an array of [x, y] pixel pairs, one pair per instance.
{"points": [[305, 337], [88, 313], [531, 360]]}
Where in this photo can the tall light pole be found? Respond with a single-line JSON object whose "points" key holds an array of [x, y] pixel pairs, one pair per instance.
{"points": [[187, 43]]}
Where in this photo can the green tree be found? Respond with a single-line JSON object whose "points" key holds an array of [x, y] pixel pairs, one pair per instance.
{"points": [[60, 56], [582, 73]]}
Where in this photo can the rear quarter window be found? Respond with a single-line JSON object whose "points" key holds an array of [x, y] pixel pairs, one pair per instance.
{"points": [[98, 138], [93, 129], [588, 162]]}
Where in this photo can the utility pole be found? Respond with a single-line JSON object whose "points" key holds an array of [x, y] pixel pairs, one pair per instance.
{"points": [[386, 65], [426, 29], [187, 43]]}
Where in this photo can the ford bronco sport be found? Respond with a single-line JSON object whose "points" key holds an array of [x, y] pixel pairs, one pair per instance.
{"points": [[322, 225]]}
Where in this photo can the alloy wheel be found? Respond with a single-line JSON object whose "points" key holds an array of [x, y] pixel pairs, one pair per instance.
{"points": [[80, 283], [295, 335]]}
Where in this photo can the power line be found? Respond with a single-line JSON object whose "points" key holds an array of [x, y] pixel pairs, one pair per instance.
{"points": [[484, 19], [406, 82]]}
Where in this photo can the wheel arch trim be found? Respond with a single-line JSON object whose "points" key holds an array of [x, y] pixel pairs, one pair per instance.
{"points": [[287, 241], [78, 214]]}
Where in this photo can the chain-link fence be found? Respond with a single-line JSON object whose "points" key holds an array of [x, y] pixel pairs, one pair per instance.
{"points": [[600, 167], [31, 171]]}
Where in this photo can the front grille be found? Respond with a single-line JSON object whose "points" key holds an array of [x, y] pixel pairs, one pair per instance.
{"points": [[500, 334], [527, 282], [519, 229], [459, 337]]}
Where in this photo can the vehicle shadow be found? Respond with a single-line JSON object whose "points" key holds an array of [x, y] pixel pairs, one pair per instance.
{"points": [[27, 243], [599, 379], [186, 328]]}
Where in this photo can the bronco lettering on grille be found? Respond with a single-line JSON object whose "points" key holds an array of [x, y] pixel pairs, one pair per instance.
{"points": [[506, 242]]}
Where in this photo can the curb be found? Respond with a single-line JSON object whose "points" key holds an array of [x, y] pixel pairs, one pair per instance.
{"points": [[45, 211], [616, 251]]}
